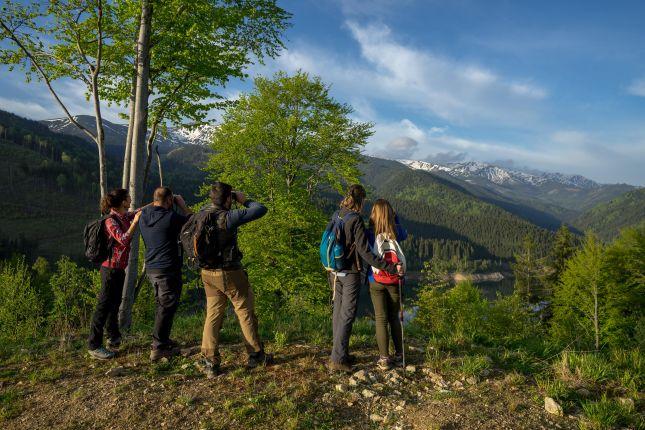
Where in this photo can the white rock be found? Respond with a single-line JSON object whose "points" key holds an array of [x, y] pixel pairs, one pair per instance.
{"points": [[627, 402], [340, 388], [361, 375], [352, 382], [368, 393], [552, 407], [376, 418], [471, 380], [410, 368]]}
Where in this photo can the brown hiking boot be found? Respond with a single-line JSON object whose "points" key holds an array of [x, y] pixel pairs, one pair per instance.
{"points": [[342, 367], [158, 354]]}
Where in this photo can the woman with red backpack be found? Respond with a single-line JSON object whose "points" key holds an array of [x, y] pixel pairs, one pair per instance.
{"points": [[384, 234]]}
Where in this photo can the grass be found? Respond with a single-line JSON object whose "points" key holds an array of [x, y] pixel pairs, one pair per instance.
{"points": [[10, 405], [474, 365], [605, 414]]}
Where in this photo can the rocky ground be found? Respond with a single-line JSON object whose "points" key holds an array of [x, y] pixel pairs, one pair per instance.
{"points": [[65, 389]]}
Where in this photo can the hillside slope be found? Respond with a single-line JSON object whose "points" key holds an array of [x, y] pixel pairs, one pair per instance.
{"points": [[434, 208], [607, 219]]}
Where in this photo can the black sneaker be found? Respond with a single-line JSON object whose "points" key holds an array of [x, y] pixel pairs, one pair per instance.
{"points": [[342, 367], [113, 344], [259, 359], [158, 354], [351, 359]]}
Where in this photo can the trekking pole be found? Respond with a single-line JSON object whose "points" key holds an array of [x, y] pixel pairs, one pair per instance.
{"points": [[401, 319]]}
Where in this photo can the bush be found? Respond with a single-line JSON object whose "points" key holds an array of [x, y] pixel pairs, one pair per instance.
{"points": [[75, 290], [20, 307], [461, 315]]}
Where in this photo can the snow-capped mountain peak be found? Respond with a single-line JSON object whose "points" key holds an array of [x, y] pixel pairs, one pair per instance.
{"points": [[472, 170]]}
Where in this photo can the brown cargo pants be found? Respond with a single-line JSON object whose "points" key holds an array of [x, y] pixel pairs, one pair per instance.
{"points": [[222, 286]]}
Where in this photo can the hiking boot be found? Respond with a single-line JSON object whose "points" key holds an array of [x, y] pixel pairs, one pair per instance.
{"points": [[114, 344], [259, 359], [384, 363], [351, 359], [342, 367], [101, 353], [397, 360], [158, 354], [209, 368]]}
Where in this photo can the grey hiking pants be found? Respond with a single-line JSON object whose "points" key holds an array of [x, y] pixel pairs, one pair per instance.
{"points": [[346, 291]]}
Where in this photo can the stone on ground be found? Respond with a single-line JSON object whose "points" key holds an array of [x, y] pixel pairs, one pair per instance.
{"points": [[552, 407]]}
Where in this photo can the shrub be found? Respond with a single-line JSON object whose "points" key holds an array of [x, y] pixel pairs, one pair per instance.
{"points": [[75, 290], [458, 313], [20, 306]]}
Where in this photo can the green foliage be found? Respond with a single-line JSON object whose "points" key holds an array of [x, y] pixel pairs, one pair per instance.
{"points": [[20, 307], [580, 301], [605, 414], [563, 248], [280, 144], [601, 295], [609, 218], [583, 367], [75, 290], [529, 272]]}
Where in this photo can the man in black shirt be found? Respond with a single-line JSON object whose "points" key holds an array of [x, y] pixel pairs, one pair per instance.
{"points": [[160, 226]]}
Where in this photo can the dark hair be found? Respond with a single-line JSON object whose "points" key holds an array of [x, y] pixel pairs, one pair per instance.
{"points": [[354, 199], [113, 199], [161, 194], [220, 192]]}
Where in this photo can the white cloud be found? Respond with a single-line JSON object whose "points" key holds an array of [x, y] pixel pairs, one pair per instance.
{"points": [[637, 87]]}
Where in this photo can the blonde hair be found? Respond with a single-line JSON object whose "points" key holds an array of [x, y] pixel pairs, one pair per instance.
{"points": [[354, 199], [382, 219]]}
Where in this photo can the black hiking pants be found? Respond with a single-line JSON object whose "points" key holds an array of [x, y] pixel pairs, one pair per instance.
{"points": [[167, 287], [106, 313], [346, 291]]}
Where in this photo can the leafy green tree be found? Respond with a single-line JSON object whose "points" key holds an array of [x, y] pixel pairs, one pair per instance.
{"points": [[281, 143], [625, 268], [20, 307], [581, 301], [563, 248], [529, 271]]}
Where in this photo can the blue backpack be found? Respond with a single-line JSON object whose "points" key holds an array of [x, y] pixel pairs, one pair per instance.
{"points": [[332, 244]]}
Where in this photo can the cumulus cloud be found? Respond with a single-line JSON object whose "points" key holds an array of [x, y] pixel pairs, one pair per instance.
{"points": [[637, 88], [402, 147]]}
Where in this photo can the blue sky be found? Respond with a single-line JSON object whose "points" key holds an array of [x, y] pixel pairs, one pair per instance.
{"points": [[557, 86]]}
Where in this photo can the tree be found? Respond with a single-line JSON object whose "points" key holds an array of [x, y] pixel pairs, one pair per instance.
{"points": [[580, 301], [563, 248], [529, 271], [185, 50], [625, 268], [65, 39], [281, 143]]}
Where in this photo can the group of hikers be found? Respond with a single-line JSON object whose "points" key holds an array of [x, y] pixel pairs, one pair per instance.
{"points": [[208, 239]]}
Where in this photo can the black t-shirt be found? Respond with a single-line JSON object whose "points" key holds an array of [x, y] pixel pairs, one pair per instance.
{"points": [[160, 229]]}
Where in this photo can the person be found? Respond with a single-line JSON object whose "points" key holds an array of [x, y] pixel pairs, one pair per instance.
{"points": [[160, 226], [119, 227], [225, 279], [346, 284], [385, 297]]}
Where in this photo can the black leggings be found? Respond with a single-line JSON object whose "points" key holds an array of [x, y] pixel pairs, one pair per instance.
{"points": [[107, 309], [386, 301]]}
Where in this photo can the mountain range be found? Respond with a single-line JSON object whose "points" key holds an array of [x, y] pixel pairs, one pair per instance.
{"points": [[459, 210]]}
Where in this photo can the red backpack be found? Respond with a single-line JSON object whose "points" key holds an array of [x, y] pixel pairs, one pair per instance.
{"points": [[390, 251]]}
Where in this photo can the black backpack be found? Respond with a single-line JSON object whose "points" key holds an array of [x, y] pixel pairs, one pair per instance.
{"points": [[198, 238], [98, 247]]}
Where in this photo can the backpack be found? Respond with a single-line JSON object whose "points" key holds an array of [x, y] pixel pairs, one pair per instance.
{"points": [[390, 251], [332, 244], [198, 238], [98, 247]]}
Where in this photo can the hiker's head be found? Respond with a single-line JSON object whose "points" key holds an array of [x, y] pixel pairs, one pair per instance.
{"points": [[163, 197], [220, 195], [117, 199], [382, 219], [354, 198]]}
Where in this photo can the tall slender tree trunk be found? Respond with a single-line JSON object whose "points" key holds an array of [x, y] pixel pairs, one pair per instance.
{"points": [[137, 155], [595, 317], [100, 137], [125, 180]]}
